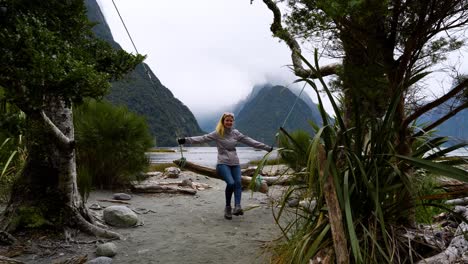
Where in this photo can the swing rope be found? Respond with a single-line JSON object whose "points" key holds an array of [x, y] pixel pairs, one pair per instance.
{"points": [[183, 160], [149, 75]]}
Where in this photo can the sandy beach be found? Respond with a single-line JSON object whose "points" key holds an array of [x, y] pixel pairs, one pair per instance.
{"points": [[178, 228]]}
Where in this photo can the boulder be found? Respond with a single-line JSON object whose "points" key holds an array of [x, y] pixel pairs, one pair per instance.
{"points": [[122, 196], [172, 172], [120, 216], [106, 250]]}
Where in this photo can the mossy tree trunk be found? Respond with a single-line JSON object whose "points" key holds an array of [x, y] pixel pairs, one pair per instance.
{"points": [[46, 192]]}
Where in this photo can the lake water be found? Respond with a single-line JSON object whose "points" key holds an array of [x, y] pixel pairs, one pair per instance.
{"points": [[206, 156]]}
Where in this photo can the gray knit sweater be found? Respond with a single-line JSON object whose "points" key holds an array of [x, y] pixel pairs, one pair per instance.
{"points": [[227, 145]]}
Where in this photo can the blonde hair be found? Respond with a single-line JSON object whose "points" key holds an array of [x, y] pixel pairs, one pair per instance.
{"points": [[220, 125]]}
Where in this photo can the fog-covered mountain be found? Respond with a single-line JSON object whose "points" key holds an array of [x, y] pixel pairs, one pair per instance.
{"points": [[265, 109], [167, 117]]}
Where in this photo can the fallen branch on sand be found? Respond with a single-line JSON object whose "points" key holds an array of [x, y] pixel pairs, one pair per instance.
{"points": [[142, 188], [278, 180], [458, 246], [246, 180], [186, 186]]}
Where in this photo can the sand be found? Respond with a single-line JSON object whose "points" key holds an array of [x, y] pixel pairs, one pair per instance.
{"points": [[178, 228]]}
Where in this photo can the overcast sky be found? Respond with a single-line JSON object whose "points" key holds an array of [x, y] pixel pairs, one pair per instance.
{"points": [[210, 53]]}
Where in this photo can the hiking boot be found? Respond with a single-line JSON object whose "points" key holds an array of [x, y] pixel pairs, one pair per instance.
{"points": [[228, 212], [238, 210]]}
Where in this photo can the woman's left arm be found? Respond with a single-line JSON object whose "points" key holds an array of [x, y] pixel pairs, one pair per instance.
{"points": [[252, 142]]}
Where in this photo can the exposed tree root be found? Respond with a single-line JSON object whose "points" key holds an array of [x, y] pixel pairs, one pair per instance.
{"points": [[90, 228]]}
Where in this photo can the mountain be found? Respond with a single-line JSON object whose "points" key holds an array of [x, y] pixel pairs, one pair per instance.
{"points": [[167, 117], [266, 109]]}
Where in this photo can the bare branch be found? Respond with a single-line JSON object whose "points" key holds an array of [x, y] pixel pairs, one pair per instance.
{"points": [[419, 112], [64, 140], [283, 34], [442, 119]]}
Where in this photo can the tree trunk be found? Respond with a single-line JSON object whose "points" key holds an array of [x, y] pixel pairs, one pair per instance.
{"points": [[46, 193]]}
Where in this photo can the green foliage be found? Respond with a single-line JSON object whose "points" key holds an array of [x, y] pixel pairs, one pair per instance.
{"points": [[31, 217], [167, 117], [12, 148], [111, 144], [163, 150], [375, 195], [425, 185], [295, 148], [48, 49], [160, 167], [84, 180]]}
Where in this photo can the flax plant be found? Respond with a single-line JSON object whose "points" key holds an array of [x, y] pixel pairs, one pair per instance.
{"points": [[12, 148], [371, 188]]}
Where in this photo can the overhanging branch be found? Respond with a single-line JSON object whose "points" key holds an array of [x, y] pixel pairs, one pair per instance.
{"points": [[442, 119], [424, 109], [278, 31]]}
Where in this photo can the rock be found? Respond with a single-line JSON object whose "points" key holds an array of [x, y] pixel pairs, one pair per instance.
{"points": [[122, 196], [294, 202], [7, 239], [172, 172], [120, 216], [308, 204], [106, 250], [100, 260]]}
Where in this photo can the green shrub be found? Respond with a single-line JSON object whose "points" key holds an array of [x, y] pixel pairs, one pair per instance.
{"points": [[12, 157], [12, 149], [354, 171], [295, 148], [111, 145]]}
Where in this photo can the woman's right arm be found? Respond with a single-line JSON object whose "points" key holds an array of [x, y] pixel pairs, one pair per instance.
{"points": [[202, 139]]}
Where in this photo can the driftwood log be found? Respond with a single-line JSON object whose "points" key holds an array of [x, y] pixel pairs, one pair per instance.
{"points": [[246, 180], [460, 201], [458, 246], [278, 180]]}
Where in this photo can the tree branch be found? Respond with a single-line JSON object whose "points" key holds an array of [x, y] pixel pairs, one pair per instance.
{"points": [[442, 119], [419, 112], [278, 31], [64, 140]]}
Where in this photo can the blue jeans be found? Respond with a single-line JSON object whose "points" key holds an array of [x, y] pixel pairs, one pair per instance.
{"points": [[232, 177]]}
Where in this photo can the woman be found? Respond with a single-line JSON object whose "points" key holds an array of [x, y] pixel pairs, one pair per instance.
{"points": [[228, 167]]}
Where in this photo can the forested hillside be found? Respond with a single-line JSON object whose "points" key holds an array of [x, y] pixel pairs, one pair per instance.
{"points": [[167, 117]]}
